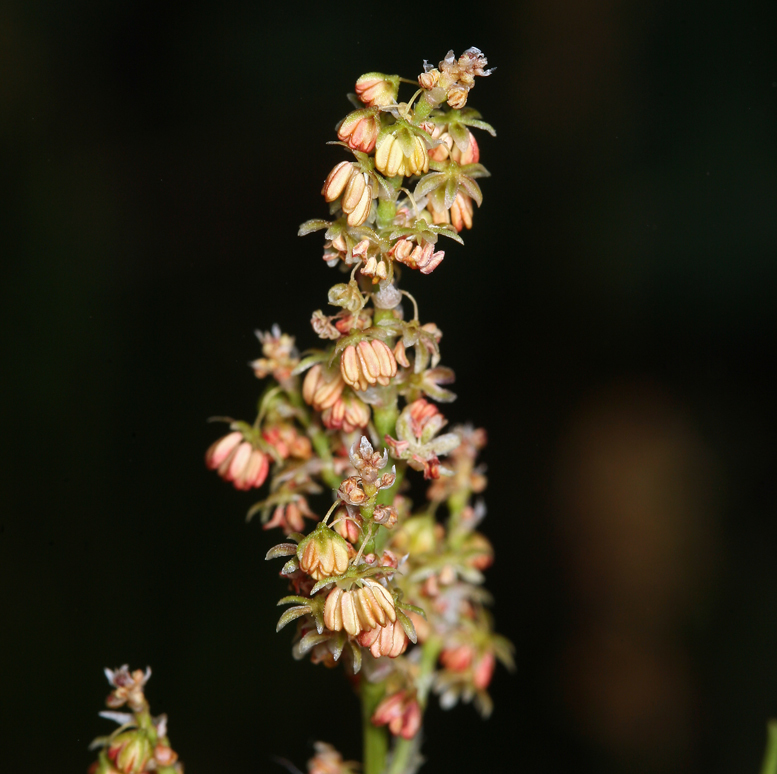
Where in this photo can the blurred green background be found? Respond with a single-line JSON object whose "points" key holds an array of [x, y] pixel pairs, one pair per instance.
{"points": [[612, 322]]}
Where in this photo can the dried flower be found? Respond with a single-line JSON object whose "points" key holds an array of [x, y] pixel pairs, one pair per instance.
{"points": [[128, 687], [328, 761], [280, 355]]}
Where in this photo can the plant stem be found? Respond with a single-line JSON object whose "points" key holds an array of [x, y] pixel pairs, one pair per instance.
{"points": [[375, 739], [769, 765]]}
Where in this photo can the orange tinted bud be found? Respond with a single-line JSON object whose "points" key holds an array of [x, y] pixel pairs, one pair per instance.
{"points": [[348, 526], [470, 155], [461, 211], [336, 181], [441, 152], [221, 449], [367, 363], [358, 610], [483, 672], [359, 130], [390, 158], [377, 89], [401, 713], [389, 640], [348, 413], [457, 659], [164, 755], [130, 751], [440, 214], [322, 388], [357, 198], [243, 465], [323, 553]]}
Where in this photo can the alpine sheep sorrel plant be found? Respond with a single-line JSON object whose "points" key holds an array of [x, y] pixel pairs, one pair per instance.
{"points": [[380, 585]]}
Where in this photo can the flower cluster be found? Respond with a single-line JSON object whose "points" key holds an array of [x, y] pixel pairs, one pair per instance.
{"points": [[140, 744], [388, 588]]}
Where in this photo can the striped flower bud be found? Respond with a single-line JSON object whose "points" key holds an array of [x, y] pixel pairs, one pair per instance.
{"points": [[323, 553], [130, 751], [348, 180], [347, 413], [461, 211], [470, 154], [359, 130], [366, 363], [377, 89], [322, 387], [360, 609], [389, 640], [401, 156], [236, 460]]}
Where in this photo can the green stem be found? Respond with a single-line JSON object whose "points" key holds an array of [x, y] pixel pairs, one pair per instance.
{"points": [[385, 420], [769, 765], [320, 443], [422, 109], [375, 739]]}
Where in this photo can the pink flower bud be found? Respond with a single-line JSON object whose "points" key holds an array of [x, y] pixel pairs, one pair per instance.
{"points": [[367, 363], [401, 713], [484, 670], [360, 129], [461, 211], [470, 155], [323, 553], [244, 466], [377, 89], [389, 640]]}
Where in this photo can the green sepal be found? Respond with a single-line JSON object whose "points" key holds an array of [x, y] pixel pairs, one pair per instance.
{"points": [[292, 614], [282, 549], [309, 226]]}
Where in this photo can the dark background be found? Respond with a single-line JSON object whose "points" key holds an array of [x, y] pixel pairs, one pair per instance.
{"points": [[611, 319]]}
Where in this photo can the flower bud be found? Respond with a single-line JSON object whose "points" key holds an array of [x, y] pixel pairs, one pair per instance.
{"points": [[367, 363], [359, 130], [348, 525], [337, 179], [323, 553], [401, 713], [243, 465], [377, 89], [360, 609], [470, 154], [442, 151], [322, 387], [389, 640], [461, 211], [130, 751], [483, 671], [347, 413], [401, 155]]}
